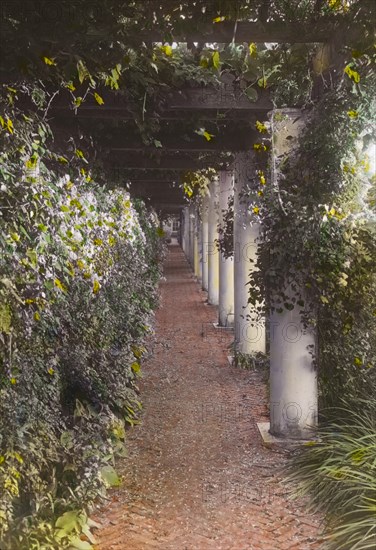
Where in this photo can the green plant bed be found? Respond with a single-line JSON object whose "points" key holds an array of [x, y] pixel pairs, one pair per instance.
{"points": [[79, 269], [258, 362], [338, 473]]}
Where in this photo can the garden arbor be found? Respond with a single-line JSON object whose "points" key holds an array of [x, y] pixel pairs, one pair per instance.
{"points": [[228, 141], [205, 126], [249, 119], [154, 173]]}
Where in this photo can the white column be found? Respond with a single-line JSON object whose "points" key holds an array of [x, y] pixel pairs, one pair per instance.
{"points": [[293, 376], [184, 233], [199, 243], [191, 214], [249, 327], [226, 265], [205, 241], [213, 253], [196, 245]]}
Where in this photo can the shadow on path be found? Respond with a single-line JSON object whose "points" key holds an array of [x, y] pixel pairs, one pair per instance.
{"points": [[197, 476]]}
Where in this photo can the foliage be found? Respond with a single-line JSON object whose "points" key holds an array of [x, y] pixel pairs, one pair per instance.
{"points": [[319, 234], [78, 272], [339, 473], [256, 361], [79, 262], [196, 184], [319, 241], [226, 230]]}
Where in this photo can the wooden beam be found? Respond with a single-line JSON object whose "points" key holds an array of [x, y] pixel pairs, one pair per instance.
{"points": [[166, 199], [154, 182], [140, 163], [226, 97], [219, 114], [247, 31], [205, 99], [172, 208], [228, 141]]}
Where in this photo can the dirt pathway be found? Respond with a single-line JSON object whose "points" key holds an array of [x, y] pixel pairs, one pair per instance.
{"points": [[197, 476]]}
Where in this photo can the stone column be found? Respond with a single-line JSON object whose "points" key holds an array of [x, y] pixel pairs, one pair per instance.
{"points": [[293, 376], [204, 241], [213, 253], [184, 231], [181, 228], [196, 245], [199, 243], [249, 328], [191, 214], [226, 265]]}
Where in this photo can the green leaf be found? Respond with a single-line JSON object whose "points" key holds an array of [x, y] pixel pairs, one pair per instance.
{"points": [[167, 49], [353, 75], [136, 366], [86, 531], [10, 126], [68, 522], [23, 230], [49, 61], [78, 101], [98, 99], [204, 62], [70, 86], [251, 94], [66, 439], [216, 60], [83, 73], [109, 476], [79, 544], [5, 318], [262, 82], [207, 136], [253, 49]]}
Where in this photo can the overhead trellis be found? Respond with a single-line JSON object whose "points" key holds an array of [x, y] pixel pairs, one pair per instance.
{"points": [[198, 63]]}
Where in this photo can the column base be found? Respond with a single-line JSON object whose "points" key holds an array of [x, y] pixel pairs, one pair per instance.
{"points": [[221, 327], [270, 440]]}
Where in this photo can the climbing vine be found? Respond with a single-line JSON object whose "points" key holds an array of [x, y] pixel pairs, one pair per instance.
{"points": [[80, 260], [320, 223], [78, 270]]}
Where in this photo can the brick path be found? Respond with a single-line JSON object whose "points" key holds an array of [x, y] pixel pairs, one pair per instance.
{"points": [[197, 476]]}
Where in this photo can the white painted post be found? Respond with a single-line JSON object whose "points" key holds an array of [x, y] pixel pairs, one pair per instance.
{"points": [[196, 250], [226, 265], [205, 241], [199, 243], [293, 376], [213, 253], [249, 328], [184, 231], [191, 214]]}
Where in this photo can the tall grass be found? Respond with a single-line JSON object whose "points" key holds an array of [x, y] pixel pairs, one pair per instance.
{"points": [[338, 472]]}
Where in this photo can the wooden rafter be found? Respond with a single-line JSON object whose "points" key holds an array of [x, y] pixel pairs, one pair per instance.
{"points": [[248, 31], [229, 141]]}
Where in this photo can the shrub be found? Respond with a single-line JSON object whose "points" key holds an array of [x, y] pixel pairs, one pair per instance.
{"points": [[79, 266]]}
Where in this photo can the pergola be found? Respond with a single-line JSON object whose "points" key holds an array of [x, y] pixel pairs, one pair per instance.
{"points": [[228, 107], [154, 173]]}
